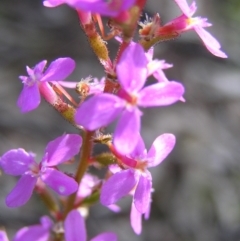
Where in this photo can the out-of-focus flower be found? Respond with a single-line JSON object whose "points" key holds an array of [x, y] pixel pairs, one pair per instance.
{"points": [[110, 8], [38, 232], [73, 226]]}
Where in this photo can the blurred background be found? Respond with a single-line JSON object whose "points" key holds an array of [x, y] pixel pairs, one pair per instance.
{"points": [[197, 188]]}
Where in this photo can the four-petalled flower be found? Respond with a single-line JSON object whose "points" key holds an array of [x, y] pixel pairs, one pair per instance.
{"points": [[19, 162], [101, 109], [58, 70], [135, 179], [186, 22]]}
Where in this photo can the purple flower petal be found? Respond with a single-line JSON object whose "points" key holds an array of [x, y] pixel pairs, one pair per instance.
{"points": [[31, 73], [46, 222], [126, 134], [134, 61], [3, 236], [105, 237], [22, 192], [62, 149], [59, 69], [74, 226], [160, 149], [16, 162], [114, 168], [39, 68], [158, 66], [68, 84], [29, 98], [139, 150], [147, 213], [23, 78], [53, 3], [33, 232], [114, 208], [160, 94], [142, 195], [160, 76], [183, 5], [136, 220], [107, 8], [149, 54], [59, 182], [210, 42], [36, 233], [99, 111], [117, 186]]}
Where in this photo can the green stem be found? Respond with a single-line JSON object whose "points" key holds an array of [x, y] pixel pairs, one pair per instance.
{"points": [[83, 165], [148, 44]]}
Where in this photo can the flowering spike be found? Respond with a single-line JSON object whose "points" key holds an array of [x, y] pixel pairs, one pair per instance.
{"points": [[96, 42]]}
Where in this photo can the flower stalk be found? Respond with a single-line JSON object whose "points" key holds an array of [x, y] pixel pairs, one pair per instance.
{"points": [[85, 155]]}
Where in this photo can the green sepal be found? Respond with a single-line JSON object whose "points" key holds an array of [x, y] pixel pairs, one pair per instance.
{"points": [[105, 159]]}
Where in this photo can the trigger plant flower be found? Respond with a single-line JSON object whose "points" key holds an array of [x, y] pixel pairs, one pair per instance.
{"points": [[101, 109], [18, 162], [73, 226], [37, 79], [186, 22], [110, 8], [37, 232], [134, 178]]}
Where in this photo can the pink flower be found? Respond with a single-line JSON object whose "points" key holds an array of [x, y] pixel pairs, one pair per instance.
{"points": [[186, 22], [19, 162], [135, 179], [58, 70], [74, 227]]}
